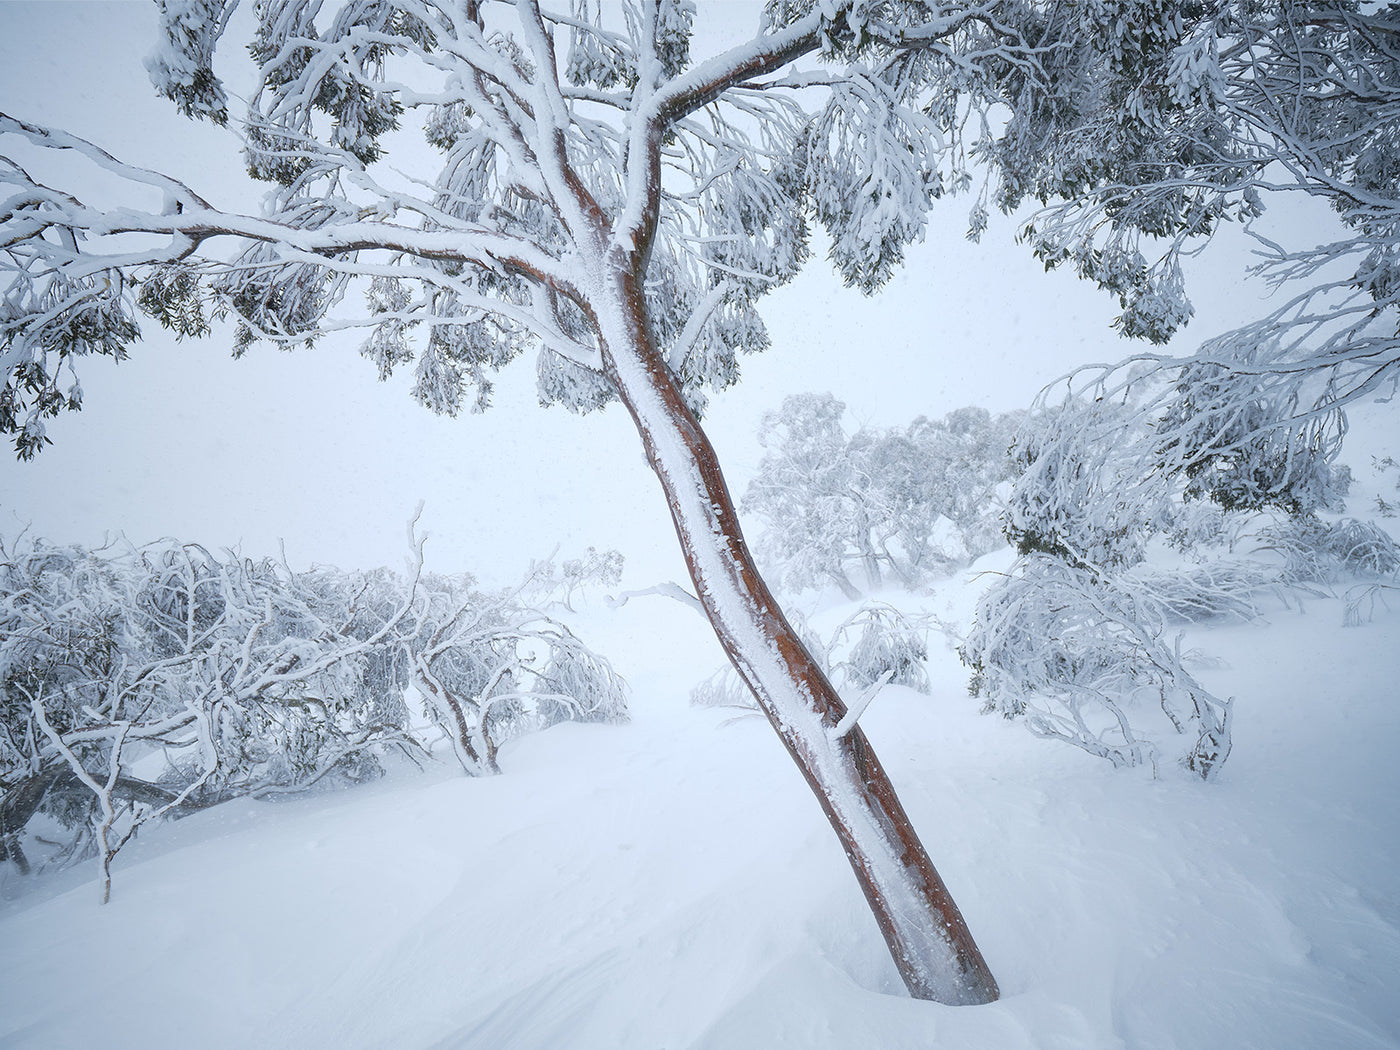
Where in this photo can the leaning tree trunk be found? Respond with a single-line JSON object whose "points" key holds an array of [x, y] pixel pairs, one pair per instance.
{"points": [[931, 944]]}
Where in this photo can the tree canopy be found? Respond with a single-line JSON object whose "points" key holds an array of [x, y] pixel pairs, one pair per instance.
{"points": [[1141, 126]]}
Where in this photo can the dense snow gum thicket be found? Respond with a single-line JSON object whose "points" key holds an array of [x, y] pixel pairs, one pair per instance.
{"points": [[907, 504], [560, 904], [1082, 637], [141, 684]]}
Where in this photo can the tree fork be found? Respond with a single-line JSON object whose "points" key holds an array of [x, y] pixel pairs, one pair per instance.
{"points": [[927, 936]]}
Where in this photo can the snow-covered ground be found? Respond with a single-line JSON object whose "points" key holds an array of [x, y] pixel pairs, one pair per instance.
{"points": [[670, 883]]}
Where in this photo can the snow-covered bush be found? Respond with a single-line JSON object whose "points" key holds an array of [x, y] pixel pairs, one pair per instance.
{"points": [[815, 528], [907, 503], [561, 581], [1317, 551], [1085, 659], [1073, 639], [1246, 451], [575, 684], [879, 641], [1082, 492], [490, 668], [1209, 591], [1199, 528], [61, 636], [1203, 466], [140, 683]]}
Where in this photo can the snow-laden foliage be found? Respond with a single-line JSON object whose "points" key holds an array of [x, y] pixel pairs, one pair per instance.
{"points": [[1080, 494], [1075, 637], [1317, 551], [182, 69], [1246, 446], [905, 503], [1160, 123], [141, 683], [62, 319], [1096, 479], [878, 643], [1087, 659], [730, 224], [561, 136]]}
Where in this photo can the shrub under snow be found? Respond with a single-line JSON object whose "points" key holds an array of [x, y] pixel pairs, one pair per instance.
{"points": [[140, 683], [875, 644], [1085, 659]]}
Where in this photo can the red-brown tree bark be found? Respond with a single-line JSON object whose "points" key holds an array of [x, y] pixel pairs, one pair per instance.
{"points": [[928, 938]]}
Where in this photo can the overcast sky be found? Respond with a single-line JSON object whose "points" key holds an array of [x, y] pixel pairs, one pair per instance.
{"points": [[308, 447]]}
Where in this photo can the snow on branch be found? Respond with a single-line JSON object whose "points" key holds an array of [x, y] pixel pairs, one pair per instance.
{"points": [[1084, 658], [668, 589], [853, 713], [540, 191]]}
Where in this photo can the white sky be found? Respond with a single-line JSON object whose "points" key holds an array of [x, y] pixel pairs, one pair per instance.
{"points": [[308, 447]]}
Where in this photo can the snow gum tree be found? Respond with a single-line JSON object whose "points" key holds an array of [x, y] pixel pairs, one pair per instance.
{"points": [[1182, 119], [600, 198], [1074, 638], [604, 199], [906, 504]]}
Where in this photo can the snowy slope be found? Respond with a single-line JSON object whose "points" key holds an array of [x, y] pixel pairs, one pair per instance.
{"points": [[669, 883]]}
